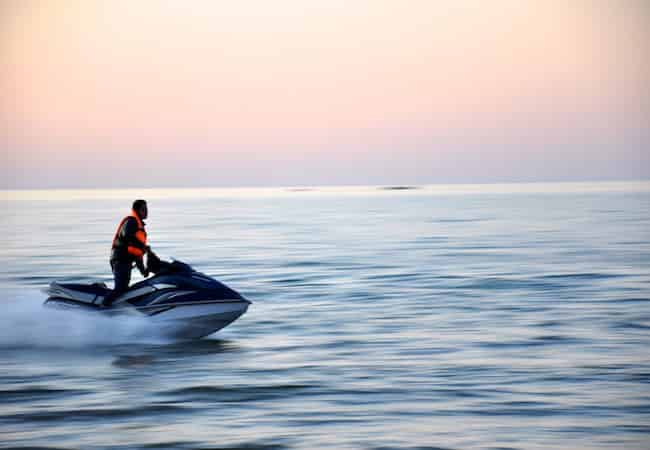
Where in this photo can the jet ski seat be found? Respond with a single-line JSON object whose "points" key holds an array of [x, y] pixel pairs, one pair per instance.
{"points": [[87, 293]]}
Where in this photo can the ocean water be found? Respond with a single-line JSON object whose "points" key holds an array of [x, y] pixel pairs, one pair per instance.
{"points": [[443, 317]]}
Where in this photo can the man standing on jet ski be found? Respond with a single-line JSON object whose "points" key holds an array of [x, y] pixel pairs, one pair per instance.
{"points": [[129, 246]]}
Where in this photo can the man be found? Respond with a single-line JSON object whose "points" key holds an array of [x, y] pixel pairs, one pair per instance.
{"points": [[129, 246]]}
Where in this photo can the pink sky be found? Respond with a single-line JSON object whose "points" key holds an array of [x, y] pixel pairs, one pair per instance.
{"points": [[158, 93]]}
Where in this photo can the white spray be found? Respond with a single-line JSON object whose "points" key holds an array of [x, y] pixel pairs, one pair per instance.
{"points": [[25, 322]]}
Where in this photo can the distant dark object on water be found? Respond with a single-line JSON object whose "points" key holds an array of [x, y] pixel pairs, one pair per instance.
{"points": [[299, 189], [398, 188]]}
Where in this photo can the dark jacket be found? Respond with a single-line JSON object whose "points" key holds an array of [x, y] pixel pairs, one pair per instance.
{"points": [[125, 237]]}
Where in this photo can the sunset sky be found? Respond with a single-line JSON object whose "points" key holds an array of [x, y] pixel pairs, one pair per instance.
{"points": [[156, 93]]}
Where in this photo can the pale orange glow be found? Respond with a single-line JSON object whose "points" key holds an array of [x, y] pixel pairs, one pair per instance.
{"points": [[335, 82]]}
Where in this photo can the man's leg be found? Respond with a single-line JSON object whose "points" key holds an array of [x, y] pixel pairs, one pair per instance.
{"points": [[122, 277]]}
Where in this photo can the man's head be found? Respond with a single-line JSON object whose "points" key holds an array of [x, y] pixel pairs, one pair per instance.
{"points": [[140, 208]]}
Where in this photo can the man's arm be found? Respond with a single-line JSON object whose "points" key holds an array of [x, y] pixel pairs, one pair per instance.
{"points": [[128, 234], [139, 263]]}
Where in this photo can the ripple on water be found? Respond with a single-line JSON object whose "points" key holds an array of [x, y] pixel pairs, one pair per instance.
{"points": [[95, 414], [37, 393], [229, 394]]}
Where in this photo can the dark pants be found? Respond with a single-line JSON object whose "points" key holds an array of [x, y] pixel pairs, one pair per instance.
{"points": [[122, 276]]}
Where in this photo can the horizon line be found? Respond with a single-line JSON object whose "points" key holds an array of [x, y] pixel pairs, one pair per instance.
{"points": [[316, 186]]}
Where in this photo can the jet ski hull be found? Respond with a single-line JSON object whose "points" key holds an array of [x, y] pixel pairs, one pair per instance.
{"points": [[178, 321], [197, 321]]}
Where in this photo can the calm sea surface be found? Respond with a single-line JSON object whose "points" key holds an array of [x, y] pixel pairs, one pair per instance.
{"points": [[455, 317]]}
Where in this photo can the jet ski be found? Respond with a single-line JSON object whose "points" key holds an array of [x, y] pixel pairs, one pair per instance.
{"points": [[181, 302]]}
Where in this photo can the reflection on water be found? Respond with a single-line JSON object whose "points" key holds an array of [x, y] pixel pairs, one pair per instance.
{"points": [[437, 317]]}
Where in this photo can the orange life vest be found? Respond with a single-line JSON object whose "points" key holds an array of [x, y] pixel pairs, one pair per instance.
{"points": [[140, 235]]}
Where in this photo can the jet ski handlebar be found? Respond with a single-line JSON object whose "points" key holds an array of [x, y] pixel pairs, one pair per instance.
{"points": [[155, 265]]}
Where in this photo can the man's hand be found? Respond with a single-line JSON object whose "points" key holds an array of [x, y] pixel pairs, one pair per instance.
{"points": [[145, 273]]}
